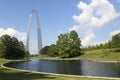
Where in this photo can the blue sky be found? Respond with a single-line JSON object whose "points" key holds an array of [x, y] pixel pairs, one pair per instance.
{"points": [[61, 16]]}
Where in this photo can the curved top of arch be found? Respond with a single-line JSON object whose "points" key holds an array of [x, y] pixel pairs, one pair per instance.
{"points": [[34, 11]]}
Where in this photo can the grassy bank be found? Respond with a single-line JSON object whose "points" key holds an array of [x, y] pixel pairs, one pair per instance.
{"points": [[102, 55], [10, 74], [98, 55]]}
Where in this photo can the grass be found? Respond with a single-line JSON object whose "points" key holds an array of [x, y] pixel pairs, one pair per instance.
{"points": [[98, 55], [10, 74], [102, 55]]}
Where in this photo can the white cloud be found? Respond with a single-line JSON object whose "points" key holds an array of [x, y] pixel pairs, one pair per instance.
{"points": [[88, 39], [115, 32], [94, 15], [13, 33]]}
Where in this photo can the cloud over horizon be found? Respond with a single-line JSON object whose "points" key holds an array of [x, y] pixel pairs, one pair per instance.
{"points": [[114, 32], [13, 33], [94, 15]]}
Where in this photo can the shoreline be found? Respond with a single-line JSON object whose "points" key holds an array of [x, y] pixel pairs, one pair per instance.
{"points": [[57, 58], [106, 61], [93, 60]]}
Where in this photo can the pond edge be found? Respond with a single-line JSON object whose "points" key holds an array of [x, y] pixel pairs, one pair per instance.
{"points": [[93, 60]]}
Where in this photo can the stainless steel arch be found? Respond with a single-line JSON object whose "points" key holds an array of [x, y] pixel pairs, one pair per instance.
{"points": [[38, 31]]}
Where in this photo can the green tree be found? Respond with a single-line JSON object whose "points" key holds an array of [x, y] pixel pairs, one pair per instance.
{"points": [[11, 48], [52, 50], [116, 41], [101, 46], [27, 55], [69, 45], [5, 42], [63, 45], [44, 50], [75, 44], [109, 44]]}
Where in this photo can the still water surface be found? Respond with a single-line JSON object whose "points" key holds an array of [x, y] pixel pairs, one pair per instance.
{"points": [[73, 67]]}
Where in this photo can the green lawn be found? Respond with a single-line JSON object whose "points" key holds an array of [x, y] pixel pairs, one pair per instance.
{"points": [[98, 55], [9, 74], [102, 55]]}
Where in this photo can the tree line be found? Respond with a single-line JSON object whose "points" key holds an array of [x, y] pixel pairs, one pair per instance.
{"points": [[12, 48], [67, 45], [113, 43]]}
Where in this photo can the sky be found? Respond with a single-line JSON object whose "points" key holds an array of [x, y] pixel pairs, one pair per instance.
{"points": [[96, 21]]}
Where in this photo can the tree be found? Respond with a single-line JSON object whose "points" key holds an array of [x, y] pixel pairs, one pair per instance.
{"points": [[116, 41], [52, 50], [109, 44], [44, 50], [11, 48], [101, 46], [69, 45], [27, 55], [63, 45], [5, 42], [75, 44]]}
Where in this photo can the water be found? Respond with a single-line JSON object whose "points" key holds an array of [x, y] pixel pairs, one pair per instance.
{"points": [[73, 67]]}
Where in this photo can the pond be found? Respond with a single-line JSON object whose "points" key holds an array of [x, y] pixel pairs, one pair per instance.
{"points": [[72, 67]]}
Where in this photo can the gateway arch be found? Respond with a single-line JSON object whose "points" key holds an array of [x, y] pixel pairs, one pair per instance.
{"points": [[39, 38]]}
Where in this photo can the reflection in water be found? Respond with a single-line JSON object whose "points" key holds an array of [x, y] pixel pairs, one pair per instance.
{"points": [[100, 69], [69, 67], [74, 67]]}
